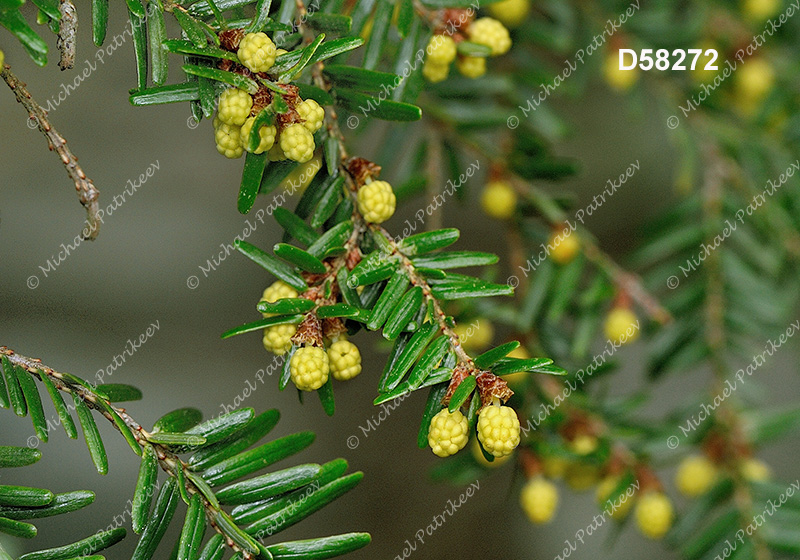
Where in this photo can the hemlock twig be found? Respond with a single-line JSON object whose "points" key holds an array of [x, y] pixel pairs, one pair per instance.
{"points": [[67, 34], [87, 192], [714, 178], [169, 462], [626, 280]]}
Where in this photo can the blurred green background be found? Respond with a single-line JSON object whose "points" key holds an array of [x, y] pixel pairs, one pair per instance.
{"points": [[104, 293]]}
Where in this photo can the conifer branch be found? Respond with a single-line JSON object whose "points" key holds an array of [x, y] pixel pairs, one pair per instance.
{"points": [[334, 131], [87, 192], [67, 41], [169, 462], [628, 282], [733, 442]]}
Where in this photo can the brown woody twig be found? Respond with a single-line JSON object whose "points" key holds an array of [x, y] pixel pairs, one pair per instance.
{"points": [[67, 34], [87, 192]]}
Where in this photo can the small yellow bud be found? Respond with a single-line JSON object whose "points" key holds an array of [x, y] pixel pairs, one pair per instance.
{"points": [[510, 12], [345, 360], [622, 325], [309, 368], [499, 200], [448, 433], [539, 500], [756, 471], [583, 444], [564, 249], [654, 515], [754, 80], [498, 429], [618, 80], [695, 476], [376, 201], [758, 11], [554, 466], [441, 50], [471, 66], [492, 33], [435, 72]]}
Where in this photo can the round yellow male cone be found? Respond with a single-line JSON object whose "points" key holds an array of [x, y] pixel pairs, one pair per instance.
{"points": [[564, 249], [228, 140], [297, 143], [471, 66], [499, 200], [618, 80], [539, 500], [754, 81], [490, 32], [266, 134], [695, 475], [278, 290], [376, 201], [510, 12], [498, 430], [278, 339], [309, 368], [654, 515], [435, 73], [621, 325], [448, 433], [312, 114], [760, 10], [441, 50], [345, 360], [583, 444], [257, 52], [756, 471], [234, 106]]}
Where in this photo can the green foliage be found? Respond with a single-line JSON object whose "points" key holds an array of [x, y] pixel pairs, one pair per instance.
{"points": [[217, 454], [19, 505], [352, 275]]}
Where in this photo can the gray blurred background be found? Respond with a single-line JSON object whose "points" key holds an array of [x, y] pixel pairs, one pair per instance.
{"points": [[83, 313]]}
